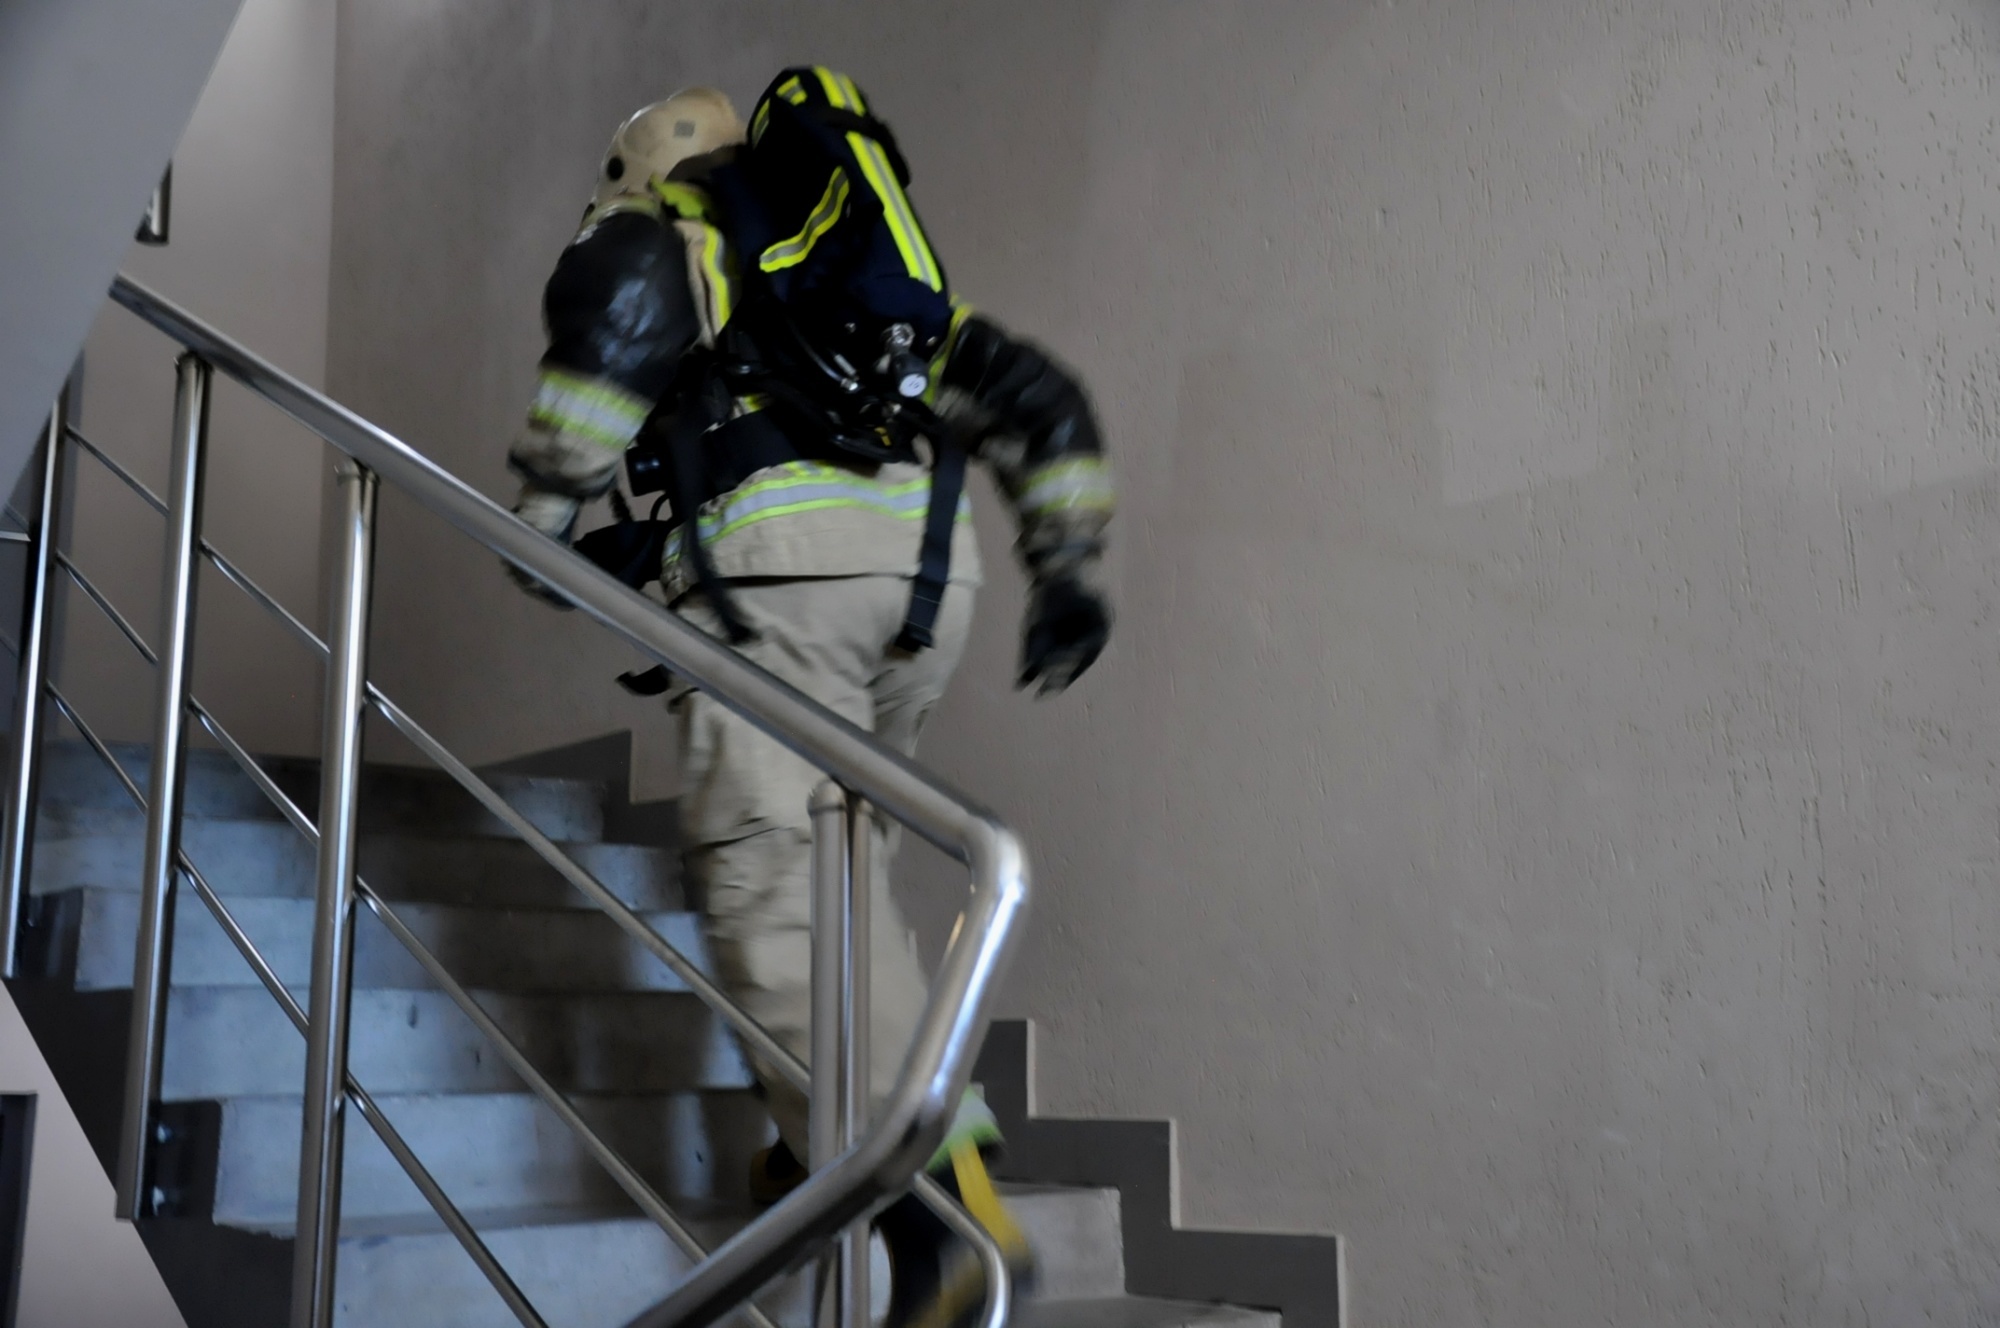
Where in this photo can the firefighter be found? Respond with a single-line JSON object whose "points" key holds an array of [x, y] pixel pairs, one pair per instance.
{"points": [[808, 557]]}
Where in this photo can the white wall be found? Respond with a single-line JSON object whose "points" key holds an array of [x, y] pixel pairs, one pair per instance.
{"points": [[92, 93], [251, 234], [251, 237], [1539, 816]]}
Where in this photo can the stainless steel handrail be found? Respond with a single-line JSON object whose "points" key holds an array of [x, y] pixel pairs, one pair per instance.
{"points": [[949, 1209], [628, 1179], [448, 1212], [627, 917], [914, 1115]]}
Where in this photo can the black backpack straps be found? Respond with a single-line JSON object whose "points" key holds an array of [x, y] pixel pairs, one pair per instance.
{"points": [[688, 488], [934, 560], [869, 127]]}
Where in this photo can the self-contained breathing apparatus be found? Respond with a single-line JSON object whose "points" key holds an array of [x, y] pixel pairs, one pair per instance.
{"points": [[832, 352]]}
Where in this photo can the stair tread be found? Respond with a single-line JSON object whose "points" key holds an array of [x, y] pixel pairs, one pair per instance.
{"points": [[244, 857], [506, 948], [1138, 1312]]}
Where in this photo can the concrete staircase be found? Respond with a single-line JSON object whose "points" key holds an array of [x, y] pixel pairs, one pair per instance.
{"points": [[643, 1060]]}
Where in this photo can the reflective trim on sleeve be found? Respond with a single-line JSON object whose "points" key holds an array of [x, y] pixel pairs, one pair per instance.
{"points": [[717, 277], [1074, 484], [687, 201], [790, 253], [809, 486], [595, 409]]}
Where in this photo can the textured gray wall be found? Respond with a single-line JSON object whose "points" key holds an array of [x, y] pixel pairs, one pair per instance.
{"points": [[252, 236], [1540, 817], [92, 95]]}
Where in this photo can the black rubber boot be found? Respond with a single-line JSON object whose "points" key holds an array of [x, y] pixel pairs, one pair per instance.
{"points": [[935, 1277], [774, 1173]]}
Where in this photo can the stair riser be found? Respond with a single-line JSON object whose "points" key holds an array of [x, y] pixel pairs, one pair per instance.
{"points": [[491, 1152], [428, 1279], [106, 851], [235, 1042], [498, 951], [1078, 1239], [392, 797]]}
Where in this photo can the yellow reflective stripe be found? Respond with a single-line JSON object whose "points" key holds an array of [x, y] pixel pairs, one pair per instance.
{"points": [[975, 1189], [896, 210], [819, 487], [594, 409], [1080, 483], [792, 90], [797, 474], [834, 92], [688, 202], [789, 253], [721, 290], [960, 312]]}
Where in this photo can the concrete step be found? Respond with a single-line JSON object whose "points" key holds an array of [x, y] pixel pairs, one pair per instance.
{"points": [[105, 849], [492, 1151], [579, 1271], [235, 1042], [409, 1271], [91, 935], [1138, 1312], [392, 797]]}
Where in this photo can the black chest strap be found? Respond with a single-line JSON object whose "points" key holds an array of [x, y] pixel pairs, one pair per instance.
{"points": [[934, 560]]}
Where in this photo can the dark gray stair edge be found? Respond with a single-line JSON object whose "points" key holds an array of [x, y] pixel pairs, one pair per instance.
{"points": [[607, 762], [218, 790], [1299, 1276]]}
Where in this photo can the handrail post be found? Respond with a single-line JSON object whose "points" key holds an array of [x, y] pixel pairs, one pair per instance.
{"points": [[321, 1147], [833, 985], [857, 1081], [17, 819], [152, 961]]}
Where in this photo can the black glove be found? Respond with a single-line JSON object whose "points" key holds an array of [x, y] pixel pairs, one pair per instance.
{"points": [[553, 514], [1066, 628], [546, 593]]}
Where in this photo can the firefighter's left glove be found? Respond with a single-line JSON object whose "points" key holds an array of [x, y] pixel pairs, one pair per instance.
{"points": [[554, 514], [1067, 625]]}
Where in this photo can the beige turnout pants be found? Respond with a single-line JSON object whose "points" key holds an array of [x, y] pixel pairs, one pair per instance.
{"points": [[745, 829]]}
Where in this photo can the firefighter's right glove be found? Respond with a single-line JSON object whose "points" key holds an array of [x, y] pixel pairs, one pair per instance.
{"points": [[554, 514], [1067, 625]]}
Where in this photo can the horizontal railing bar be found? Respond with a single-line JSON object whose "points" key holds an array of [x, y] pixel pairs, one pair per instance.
{"points": [[118, 619], [263, 598], [934, 1196], [913, 1117], [16, 537], [857, 758], [132, 482], [621, 1171], [236, 575], [392, 1139], [628, 919]]}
